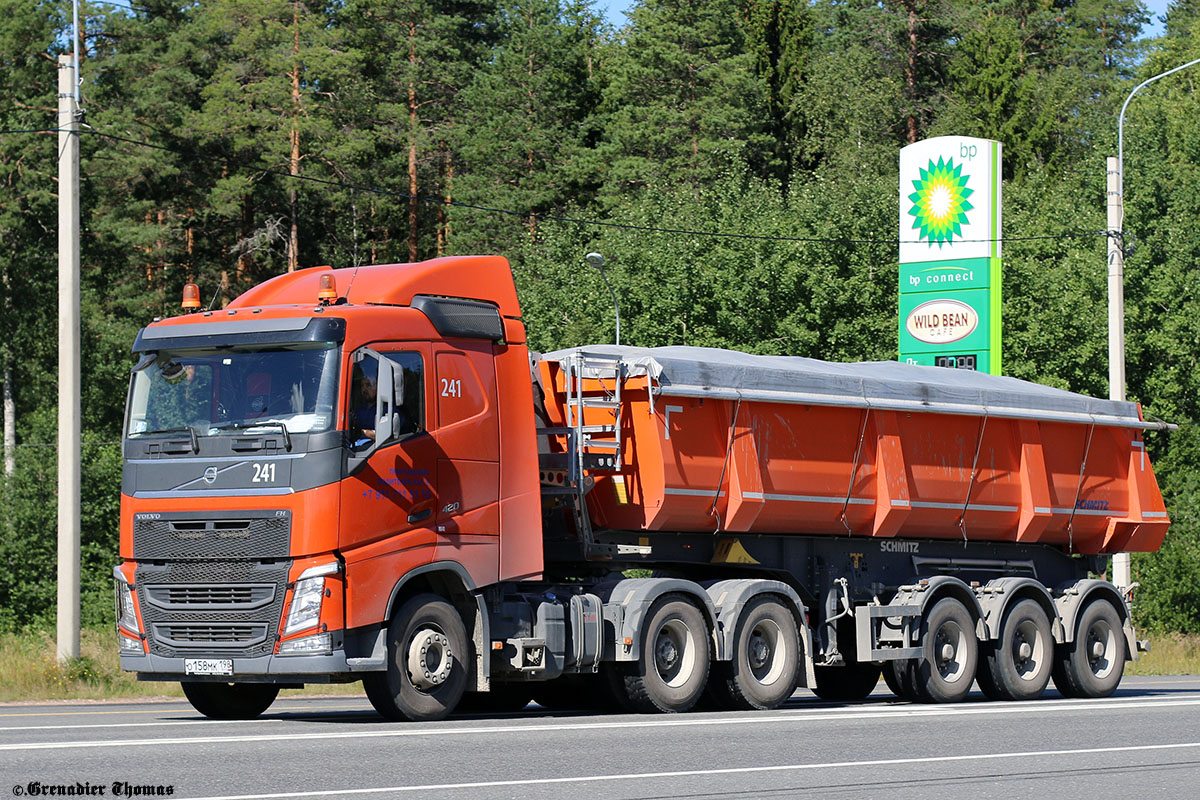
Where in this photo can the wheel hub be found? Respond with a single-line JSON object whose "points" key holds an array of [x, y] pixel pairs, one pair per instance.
{"points": [[760, 653], [947, 651], [1024, 651], [429, 659], [666, 653], [1097, 649]]}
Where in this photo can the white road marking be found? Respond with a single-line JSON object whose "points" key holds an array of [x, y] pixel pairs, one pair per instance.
{"points": [[151, 724], [154, 708], [897, 712], [696, 773]]}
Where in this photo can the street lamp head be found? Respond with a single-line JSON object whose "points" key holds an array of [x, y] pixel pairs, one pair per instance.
{"points": [[594, 260]]}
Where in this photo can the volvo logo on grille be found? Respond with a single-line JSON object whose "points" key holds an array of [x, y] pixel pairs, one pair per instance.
{"points": [[210, 475]]}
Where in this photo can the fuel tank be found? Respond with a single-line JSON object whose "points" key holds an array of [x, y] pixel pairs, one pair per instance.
{"points": [[713, 440]]}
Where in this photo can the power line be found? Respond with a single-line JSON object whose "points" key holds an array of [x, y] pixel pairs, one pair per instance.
{"points": [[550, 217]]}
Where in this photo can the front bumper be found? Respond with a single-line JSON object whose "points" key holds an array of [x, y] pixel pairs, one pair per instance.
{"points": [[331, 668]]}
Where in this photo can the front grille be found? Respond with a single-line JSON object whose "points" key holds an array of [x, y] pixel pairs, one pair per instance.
{"points": [[227, 607], [198, 636], [214, 534], [210, 597]]}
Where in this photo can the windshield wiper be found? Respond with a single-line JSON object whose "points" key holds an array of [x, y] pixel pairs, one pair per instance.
{"points": [[241, 426], [188, 429]]}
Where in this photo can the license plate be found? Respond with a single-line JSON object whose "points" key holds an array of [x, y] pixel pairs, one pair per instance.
{"points": [[208, 666]]}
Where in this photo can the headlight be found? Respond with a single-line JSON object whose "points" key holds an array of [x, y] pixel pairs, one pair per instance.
{"points": [[128, 643], [321, 644], [307, 595], [126, 616], [306, 605]]}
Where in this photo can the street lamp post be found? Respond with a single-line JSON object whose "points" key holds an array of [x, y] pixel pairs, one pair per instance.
{"points": [[1122, 576]]}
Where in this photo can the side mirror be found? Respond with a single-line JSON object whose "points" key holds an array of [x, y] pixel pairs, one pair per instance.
{"points": [[385, 401]]}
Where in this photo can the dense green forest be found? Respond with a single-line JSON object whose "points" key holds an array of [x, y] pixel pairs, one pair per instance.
{"points": [[734, 160]]}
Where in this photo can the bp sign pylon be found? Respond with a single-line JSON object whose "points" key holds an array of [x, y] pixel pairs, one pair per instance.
{"points": [[950, 253]]}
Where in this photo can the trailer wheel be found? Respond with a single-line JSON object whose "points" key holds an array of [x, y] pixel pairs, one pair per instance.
{"points": [[1017, 665], [894, 675], [945, 670], [672, 667], [766, 659], [427, 662], [1092, 665], [230, 700]]}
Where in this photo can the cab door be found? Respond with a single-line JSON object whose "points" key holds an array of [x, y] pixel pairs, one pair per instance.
{"points": [[468, 467], [389, 504]]}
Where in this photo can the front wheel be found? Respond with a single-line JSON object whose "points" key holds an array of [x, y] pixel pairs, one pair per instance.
{"points": [[766, 659], [230, 700], [1092, 665], [672, 667], [428, 656]]}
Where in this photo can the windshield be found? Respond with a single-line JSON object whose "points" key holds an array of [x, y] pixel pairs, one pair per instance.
{"points": [[233, 388]]}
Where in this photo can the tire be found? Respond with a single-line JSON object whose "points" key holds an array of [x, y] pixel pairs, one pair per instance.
{"points": [[230, 700], [428, 654], [766, 659], [1017, 666], [503, 698], [850, 682], [892, 677], [672, 667], [1092, 665], [945, 670]]}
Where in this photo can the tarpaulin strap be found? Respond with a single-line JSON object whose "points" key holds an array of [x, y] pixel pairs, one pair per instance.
{"points": [[962, 518], [1078, 488], [862, 431], [712, 512]]}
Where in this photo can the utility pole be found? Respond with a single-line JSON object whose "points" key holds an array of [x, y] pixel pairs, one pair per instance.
{"points": [[68, 358], [1122, 572], [1116, 321]]}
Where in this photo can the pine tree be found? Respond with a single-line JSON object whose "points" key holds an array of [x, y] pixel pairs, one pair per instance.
{"points": [[682, 96], [541, 90], [417, 55]]}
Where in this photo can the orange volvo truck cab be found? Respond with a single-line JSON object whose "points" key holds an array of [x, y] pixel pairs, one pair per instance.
{"points": [[363, 474]]}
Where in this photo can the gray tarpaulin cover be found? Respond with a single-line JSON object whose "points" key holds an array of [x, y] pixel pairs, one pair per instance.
{"points": [[708, 372]]}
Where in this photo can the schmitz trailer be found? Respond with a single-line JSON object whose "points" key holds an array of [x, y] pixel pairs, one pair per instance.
{"points": [[363, 474]]}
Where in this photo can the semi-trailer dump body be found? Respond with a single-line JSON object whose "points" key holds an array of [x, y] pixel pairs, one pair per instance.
{"points": [[362, 474]]}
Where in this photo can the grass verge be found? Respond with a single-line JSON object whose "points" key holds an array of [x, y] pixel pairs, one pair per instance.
{"points": [[29, 672], [1170, 654]]}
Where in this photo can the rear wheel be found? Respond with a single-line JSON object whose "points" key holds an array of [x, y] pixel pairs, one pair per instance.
{"points": [[945, 670], [672, 666], [1092, 665], [230, 700], [1017, 665], [427, 662], [766, 659]]}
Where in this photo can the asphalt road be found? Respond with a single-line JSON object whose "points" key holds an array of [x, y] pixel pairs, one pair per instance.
{"points": [[1143, 742]]}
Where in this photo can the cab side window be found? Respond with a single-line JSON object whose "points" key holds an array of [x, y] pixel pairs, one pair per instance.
{"points": [[411, 378], [364, 393]]}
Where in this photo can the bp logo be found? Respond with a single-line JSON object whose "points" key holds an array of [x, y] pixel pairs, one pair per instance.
{"points": [[940, 202]]}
